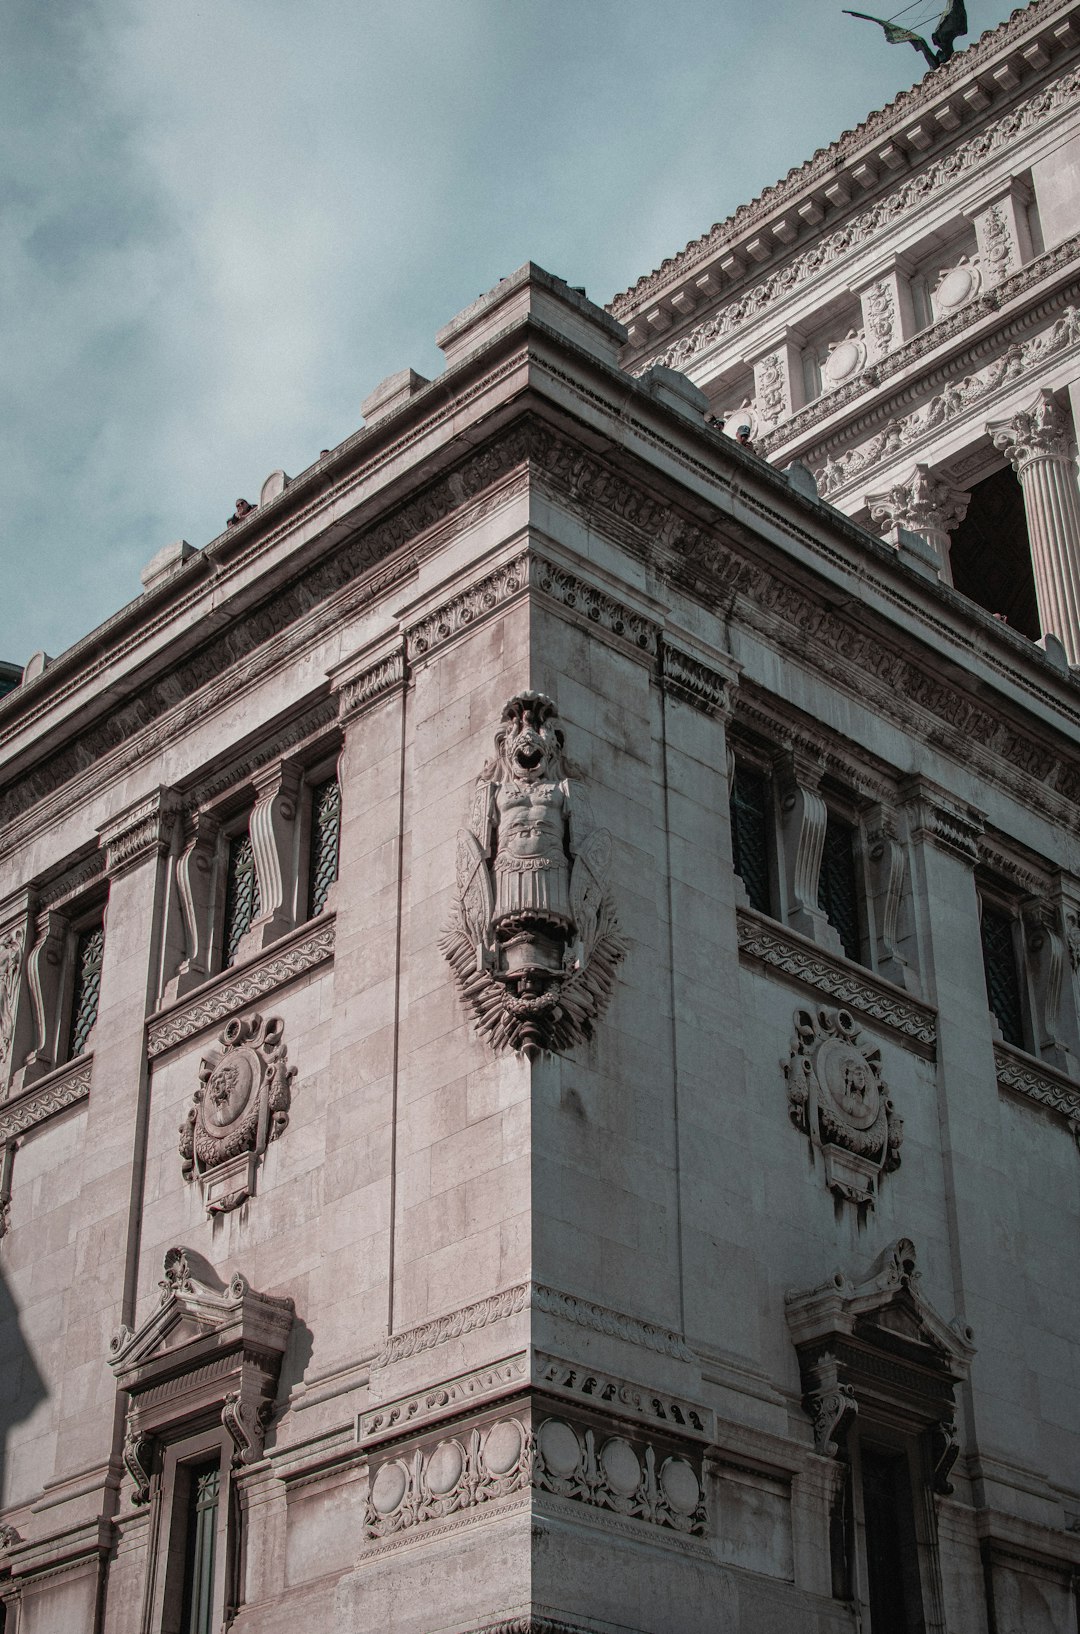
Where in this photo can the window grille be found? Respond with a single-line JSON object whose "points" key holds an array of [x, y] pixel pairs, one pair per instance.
{"points": [[200, 1540], [325, 838], [241, 895], [1002, 977], [86, 988], [838, 891], [751, 820]]}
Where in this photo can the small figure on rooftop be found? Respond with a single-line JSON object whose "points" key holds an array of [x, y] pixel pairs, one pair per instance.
{"points": [[951, 24], [242, 509], [742, 436]]}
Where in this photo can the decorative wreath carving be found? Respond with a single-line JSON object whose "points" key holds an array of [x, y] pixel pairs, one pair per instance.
{"points": [[533, 942], [242, 1104], [839, 1099]]}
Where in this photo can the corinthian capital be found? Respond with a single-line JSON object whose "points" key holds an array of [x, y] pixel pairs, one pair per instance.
{"points": [[924, 504], [1043, 431]]}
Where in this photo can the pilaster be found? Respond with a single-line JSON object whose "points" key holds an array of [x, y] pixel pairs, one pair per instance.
{"points": [[778, 387], [1001, 228]]}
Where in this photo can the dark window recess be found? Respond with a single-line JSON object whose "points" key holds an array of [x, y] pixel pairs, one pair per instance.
{"points": [[991, 556], [89, 950], [199, 1546], [751, 820], [892, 1557], [325, 836], [1002, 978], [838, 892], [241, 895]]}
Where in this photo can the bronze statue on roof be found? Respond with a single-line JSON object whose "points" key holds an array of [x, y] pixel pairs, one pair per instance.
{"points": [[951, 24]]}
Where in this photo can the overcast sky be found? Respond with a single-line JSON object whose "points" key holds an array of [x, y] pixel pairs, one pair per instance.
{"points": [[225, 221]]}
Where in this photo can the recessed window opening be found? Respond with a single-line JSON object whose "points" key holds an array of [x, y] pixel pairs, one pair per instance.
{"points": [[991, 553], [200, 1537], [86, 987], [241, 894], [892, 1551], [1002, 973], [751, 824], [838, 891]]}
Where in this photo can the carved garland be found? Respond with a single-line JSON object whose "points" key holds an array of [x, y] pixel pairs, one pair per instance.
{"points": [[1019, 359], [64, 1088]]}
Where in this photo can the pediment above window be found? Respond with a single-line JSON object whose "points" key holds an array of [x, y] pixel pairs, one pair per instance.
{"points": [[878, 1348], [205, 1356]]}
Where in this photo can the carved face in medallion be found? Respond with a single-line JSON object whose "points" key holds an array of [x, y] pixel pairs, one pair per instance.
{"points": [[228, 1090], [850, 1081]]}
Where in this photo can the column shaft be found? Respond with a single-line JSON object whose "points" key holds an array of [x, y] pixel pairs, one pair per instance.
{"points": [[1052, 504]]}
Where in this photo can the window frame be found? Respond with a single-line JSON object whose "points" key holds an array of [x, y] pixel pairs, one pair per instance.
{"points": [[170, 1544], [1007, 906]]}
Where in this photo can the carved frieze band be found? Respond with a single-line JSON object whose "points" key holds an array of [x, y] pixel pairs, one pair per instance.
{"points": [[142, 831], [1036, 1083], [67, 1087], [525, 1295], [696, 682], [882, 216], [465, 609], [443, 1400], [528, 571], [929, 340], [234, 989], [1019, 360], [773, 945], [361, 691]]}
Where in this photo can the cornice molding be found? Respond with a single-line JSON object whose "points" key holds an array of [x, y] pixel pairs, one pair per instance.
{"points": [[1030, 1079], [860, 230], [234, 989], [532, 1296], [832, 160], [65, 1087], [769, 943]]}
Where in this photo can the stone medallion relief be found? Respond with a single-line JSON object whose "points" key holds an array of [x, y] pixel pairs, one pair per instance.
{"points": [[533, 942], [242, 1104], [838, 1098]]}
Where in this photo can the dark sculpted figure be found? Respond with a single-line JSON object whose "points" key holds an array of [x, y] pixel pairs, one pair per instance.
{"points": [[951, 25]]}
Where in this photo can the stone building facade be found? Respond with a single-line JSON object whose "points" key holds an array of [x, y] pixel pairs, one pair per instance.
{"points": [[539, 1021]]}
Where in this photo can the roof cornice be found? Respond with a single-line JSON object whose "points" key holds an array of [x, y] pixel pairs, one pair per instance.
{"points": [[835, 182]]}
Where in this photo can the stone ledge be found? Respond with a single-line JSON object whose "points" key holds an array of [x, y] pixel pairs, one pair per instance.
{"points": [[65, 1087], [772, 944], [235, 988], [1031, 1079]]}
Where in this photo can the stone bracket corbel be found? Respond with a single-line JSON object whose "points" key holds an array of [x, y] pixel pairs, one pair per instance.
{"points": [[195, 891], [1047, 961], [44, 979], [273, 831], [886, 868], [803, 817]]}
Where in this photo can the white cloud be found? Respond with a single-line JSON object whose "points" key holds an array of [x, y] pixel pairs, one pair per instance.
{"points": [[226, 220]]}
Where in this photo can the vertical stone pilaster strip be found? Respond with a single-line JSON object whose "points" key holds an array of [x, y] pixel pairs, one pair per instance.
{"points": [[1037, 442], [803, 818]]}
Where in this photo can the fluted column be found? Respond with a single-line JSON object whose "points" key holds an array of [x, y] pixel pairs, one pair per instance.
{"points": [[1037, 442], [924, 504]]}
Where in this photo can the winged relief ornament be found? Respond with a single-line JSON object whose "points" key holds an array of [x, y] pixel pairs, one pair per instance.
{"points": [[533, 941]]}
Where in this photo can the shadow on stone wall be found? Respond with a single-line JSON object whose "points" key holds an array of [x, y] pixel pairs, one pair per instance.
{"points": [[22, 1388]]}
